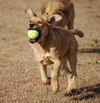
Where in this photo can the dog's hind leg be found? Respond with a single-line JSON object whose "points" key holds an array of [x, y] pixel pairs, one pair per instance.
{"points": [[72, 78], [64, 67], [55, 75]]}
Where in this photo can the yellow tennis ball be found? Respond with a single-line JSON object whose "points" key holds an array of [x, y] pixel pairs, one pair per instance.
{"points": [[33, 34]]}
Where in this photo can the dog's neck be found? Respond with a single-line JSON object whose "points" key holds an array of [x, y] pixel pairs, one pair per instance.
{"points": [[45, 42]]}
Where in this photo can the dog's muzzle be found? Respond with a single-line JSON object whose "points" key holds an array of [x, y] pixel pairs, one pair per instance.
{"points": [[32, 27]]}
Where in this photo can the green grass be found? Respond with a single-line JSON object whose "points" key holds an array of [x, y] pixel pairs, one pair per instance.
{"points": [[97, 16], [90, 63], [98, 62]]}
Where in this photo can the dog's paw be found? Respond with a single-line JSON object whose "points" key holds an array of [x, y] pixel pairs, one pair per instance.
{"points": [[55, 86], [47, 82], [71, 93]]}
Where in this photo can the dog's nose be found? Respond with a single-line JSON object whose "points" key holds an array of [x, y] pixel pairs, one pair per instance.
{"points": [[32, 26]]}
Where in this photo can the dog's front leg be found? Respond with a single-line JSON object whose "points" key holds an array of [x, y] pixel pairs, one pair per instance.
{"points": [[43, 72], [55, 75]]}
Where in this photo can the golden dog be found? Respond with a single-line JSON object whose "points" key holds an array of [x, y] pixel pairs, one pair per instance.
{"points": [[59, 12], [55, 46]]}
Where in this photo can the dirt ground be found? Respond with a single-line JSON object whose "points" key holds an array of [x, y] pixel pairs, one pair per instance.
{"points": [[19, 75]]}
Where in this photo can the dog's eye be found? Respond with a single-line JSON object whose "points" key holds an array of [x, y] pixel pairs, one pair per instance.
{"points": [[40, 22], [46, 13], [30, 21], [60, 12]]}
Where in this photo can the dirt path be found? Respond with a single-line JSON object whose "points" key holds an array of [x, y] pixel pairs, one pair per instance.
{"points": [[19, 76]]}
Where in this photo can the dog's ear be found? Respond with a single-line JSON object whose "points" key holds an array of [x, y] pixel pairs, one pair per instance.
{"points": [[43, 7], [30, 12], [55, 18]]}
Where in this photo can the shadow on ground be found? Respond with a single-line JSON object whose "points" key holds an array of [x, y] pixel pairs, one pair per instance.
{"points": [[86, 93], [88, 50]]}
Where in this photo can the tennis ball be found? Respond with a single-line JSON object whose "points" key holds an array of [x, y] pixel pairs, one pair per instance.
{"points": [[33, 34]]}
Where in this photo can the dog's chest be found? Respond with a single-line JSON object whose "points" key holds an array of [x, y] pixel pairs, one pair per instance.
{"points": [[41, 55]]}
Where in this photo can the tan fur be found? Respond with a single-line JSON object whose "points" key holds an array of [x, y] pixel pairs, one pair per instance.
{"points": [[65, 8], [55, 46]]}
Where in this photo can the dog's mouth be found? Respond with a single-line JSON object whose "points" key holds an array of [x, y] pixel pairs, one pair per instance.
{"points": [[36, 39]]}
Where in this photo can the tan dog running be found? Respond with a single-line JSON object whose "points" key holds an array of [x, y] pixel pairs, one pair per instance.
{"points": [[59, 12], [55, 46]]}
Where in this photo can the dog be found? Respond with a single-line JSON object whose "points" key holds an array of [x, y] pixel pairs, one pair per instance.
{"points": [[63, 10], [55, 45], [60, 13]]}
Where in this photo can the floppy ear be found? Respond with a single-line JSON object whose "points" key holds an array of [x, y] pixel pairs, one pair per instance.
{"points": [[30, 12], [55, 18], [43, 7]]}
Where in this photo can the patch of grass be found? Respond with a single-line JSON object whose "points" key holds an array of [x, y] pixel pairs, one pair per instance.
{"points": [[95, 45], [98, 45], [98, 62], [92, 45], [79, 64], [97, 16], [90, 63], [96, 41], [3, 39]]}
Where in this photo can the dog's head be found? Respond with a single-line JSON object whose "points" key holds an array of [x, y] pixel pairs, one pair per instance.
{"points": [[37, 23], [53, 12]]}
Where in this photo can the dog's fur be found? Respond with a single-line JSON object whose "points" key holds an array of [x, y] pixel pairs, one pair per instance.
{"points": [[59, 9], [55, 46], [60, 13]]}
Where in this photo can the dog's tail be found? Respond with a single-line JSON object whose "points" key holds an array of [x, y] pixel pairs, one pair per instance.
{"points": [[77, 32]]}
